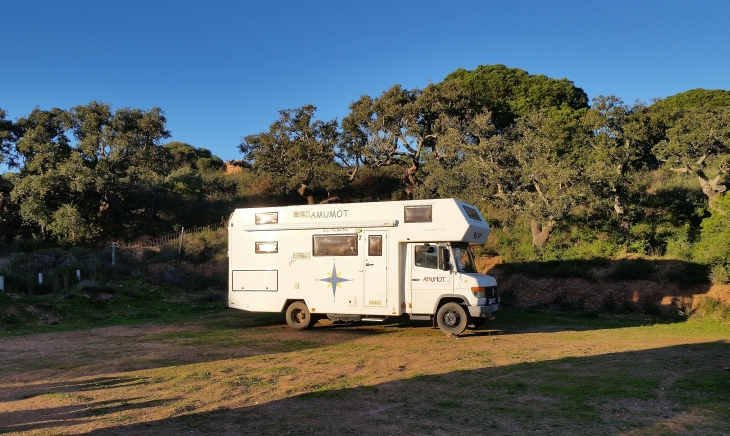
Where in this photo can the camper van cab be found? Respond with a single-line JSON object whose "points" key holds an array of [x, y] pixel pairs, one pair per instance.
{"points": [[362, 262]]}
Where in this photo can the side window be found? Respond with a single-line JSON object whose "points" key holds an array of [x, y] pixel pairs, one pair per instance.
{"points": [[375, 245], [426, 256], [334, 245]]}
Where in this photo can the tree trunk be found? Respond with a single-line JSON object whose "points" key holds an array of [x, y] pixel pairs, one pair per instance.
{"points": [[617, 206], [711, 188], [303, 190], [410, 181], [540, 233], [620, 210], [330, 200]]}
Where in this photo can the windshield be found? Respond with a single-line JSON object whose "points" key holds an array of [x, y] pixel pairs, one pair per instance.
{"points": [[464, 258]]}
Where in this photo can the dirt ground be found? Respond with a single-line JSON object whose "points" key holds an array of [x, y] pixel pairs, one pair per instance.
{"points": [[230, 378]]}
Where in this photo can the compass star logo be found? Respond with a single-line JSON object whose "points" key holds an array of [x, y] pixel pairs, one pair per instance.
{"points": [[334, 279]]}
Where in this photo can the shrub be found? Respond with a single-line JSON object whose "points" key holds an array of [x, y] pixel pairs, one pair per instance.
{"points": [[719, 275], [712, 308], [714, 245], [679, 245]]}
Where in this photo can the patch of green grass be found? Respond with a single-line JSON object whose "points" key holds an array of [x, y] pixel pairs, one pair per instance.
{"points": [[281, 370], [123, 302], [245, 381]]}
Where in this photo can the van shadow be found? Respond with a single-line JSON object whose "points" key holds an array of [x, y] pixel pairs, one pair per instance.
{"points": [[651, 286], [75, 414], [648, 390]]}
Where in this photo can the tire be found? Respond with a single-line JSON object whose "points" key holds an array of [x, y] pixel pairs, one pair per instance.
{"points": [[298, 316], [452, 318]]}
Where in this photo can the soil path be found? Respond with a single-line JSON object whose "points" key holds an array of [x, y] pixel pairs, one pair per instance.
{"points": [[355, 379]]}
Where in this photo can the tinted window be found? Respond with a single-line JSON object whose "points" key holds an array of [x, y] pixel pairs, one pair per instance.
{"points": [[375, 245], [417, 214], [473, 214], [334, 245], [426, 256]]}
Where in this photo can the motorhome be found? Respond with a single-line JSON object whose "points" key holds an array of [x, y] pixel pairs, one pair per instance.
{"points": [[362, 262]]}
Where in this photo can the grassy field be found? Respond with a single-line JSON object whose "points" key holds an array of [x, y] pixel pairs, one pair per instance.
{"points": [[184, 363]]}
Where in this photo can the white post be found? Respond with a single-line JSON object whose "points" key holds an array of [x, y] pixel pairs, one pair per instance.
{"points": [[114, 253], [40, 278], [78, 274], [2, 283], [182, 235]]}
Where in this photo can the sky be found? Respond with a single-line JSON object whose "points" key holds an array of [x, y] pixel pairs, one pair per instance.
{"points": [[221, 70]]}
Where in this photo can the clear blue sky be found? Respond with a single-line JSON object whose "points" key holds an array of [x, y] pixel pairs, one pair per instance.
{"points": [[222, 69]]}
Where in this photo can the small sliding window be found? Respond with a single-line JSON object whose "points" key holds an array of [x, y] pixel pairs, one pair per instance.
{"points": [[417, 214], [334, 245], [267, 247], [267, 218]]}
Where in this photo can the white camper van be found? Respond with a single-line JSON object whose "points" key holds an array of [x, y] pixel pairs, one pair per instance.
{"points": [[362, 262]]}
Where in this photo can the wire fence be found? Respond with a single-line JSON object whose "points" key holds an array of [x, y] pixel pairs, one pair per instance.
{"points": [[77, 263]]}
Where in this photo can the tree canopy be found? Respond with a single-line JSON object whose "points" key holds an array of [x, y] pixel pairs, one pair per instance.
{"points": [[550, 170]]}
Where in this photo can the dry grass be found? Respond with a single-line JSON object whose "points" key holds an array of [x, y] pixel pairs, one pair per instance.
{"points": [[531, 373]]}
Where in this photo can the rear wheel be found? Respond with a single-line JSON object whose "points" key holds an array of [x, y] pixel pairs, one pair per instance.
{"points": [[452, 318], [298, 316]]}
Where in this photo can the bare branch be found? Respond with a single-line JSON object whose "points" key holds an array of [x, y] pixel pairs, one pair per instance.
{"points": [[539, 192]]}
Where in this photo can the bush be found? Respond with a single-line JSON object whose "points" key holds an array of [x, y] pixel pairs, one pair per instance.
{"points": [[719, 275], [712, 308], [714, 245], [679, 245]]}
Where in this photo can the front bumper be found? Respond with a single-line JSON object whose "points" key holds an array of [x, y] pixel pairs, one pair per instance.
{"points": [[484, 311]]}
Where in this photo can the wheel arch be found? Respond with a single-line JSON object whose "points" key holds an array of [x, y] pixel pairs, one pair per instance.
{"points": [[449, 298], [289, 302]]}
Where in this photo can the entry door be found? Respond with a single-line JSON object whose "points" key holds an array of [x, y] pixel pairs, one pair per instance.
{"points": [[428, 280], [375, 268]]}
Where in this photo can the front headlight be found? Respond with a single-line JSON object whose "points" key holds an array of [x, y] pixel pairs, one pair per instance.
{"points": [[479, 291]]}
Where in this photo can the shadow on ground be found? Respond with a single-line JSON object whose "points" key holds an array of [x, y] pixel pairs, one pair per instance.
{"points": [[680, 388]]}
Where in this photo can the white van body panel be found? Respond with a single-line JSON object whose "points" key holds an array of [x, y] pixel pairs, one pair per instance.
{"points": [[372, 274]]}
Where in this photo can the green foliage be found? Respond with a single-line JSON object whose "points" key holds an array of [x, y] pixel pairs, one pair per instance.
{"points": [[205, 245], [298, 153], [105, 302], [8, 136], [711, 309], [560, 181], [510, 92], [68, 224], [694, 98], [714, 245], [720, 275]]}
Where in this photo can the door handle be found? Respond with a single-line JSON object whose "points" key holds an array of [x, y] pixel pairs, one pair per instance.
{"points": [[416, 280], [369, 264]]}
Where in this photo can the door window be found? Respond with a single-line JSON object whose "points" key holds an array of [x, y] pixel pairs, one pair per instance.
{"points": [[426, 256], [375, 245]]}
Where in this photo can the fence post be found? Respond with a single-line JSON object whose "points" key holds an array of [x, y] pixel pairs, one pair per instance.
{"points": [[78, 275], [179, 250], [2, 283], [114, 253], [40, 278]]}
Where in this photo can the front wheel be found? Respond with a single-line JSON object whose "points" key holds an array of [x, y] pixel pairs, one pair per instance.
{"points": [[452, 318], [298, 316]]}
